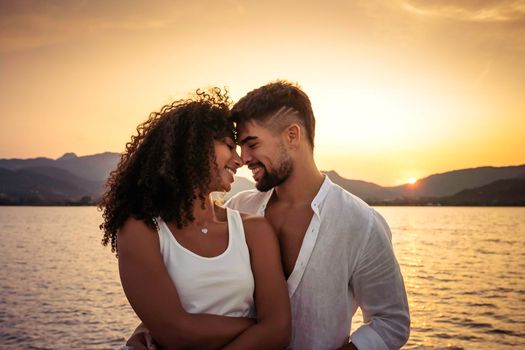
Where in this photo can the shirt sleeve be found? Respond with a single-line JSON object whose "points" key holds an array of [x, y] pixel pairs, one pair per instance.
{"points": [[379, 291]]}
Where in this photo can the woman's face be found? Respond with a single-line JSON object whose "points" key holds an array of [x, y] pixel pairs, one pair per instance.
{"points": [[227, 161]]}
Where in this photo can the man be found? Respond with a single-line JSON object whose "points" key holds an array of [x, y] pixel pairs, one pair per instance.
{"points": [[336, 251]]}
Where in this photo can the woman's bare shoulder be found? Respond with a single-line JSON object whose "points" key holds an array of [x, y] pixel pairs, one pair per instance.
{"points": [[136, 232], [257, 230], [255, 221]]}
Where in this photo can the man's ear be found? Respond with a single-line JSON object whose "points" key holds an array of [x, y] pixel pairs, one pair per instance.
{"points": [[292, 135]]}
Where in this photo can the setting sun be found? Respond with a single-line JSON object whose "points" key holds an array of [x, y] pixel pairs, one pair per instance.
{"points": [[412, 180]]}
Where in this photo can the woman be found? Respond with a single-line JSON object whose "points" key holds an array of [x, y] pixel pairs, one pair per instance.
{"points": [[188, 267]]}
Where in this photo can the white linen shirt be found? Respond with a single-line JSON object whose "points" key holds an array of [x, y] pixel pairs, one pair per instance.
{"points": [[346, 261]]}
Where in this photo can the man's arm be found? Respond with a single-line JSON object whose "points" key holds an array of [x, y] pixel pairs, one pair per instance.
{"points": [[379, 290], [154, 297]]}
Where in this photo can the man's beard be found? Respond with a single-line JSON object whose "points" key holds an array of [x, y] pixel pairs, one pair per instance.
{"points": [[271, 179]]}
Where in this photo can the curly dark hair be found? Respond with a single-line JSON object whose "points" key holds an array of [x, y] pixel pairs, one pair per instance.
{"points": [[261, 103], [166, 166]]}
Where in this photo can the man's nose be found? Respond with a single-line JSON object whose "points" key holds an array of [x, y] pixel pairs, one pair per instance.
{"points": [[245, 155]]}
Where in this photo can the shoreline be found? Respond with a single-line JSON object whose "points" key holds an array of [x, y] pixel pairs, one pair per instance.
{"points": [[520, 205]]}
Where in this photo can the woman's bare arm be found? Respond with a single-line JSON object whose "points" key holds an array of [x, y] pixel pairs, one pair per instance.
{"points": [[273, 328], [154, 297]]}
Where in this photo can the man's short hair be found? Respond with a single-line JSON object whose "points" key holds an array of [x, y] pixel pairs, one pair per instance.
{"points": [[267, 102]]}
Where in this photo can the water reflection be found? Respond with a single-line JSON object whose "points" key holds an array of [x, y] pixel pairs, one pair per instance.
{"points": [[464, 270]]}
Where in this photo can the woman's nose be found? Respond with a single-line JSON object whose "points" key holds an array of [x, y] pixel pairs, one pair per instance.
{"points": [[237, 159]]}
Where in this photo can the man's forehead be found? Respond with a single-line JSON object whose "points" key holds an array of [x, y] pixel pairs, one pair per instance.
{"points": [[267, 123], [251, 128]]}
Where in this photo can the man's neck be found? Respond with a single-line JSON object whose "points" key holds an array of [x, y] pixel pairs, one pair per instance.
{"points": [[302, 185]]}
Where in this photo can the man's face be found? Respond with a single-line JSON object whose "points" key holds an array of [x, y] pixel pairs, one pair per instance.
{"points": [[265, 154]]}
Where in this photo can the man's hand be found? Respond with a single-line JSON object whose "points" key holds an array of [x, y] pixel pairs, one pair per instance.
{"points": [[348, 346], [141, 339]]}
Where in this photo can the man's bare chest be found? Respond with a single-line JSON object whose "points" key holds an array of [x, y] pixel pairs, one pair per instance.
{"points": [[290, 225]]}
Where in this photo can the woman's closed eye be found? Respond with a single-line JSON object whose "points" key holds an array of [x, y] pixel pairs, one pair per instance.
{"points": [[230, 144]]}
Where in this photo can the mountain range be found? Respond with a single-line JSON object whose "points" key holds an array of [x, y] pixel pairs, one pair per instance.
{"points": [[73, 180]]}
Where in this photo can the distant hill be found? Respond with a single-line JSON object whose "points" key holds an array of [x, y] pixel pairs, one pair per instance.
{"points": [[41, 185], [364, 190], [449, 183], [67, 180], [93, 168], [459, 187], [90, 187], [507, 192], [71, 179]]}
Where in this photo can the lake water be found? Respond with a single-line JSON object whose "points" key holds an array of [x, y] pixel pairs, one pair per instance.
{"points": [[464, 270]]}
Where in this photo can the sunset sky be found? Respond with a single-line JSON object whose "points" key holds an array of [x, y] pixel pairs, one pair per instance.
{"points": [[400, 89]]}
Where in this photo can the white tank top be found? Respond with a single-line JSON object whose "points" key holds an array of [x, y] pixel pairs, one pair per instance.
{"points": [[220, 285]]}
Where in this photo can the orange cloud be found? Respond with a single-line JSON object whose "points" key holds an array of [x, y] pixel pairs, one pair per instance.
{"points": [[475, 11], [32, 24]]}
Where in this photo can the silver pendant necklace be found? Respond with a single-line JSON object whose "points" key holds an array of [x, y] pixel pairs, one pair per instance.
{"points": [[204, 230]]}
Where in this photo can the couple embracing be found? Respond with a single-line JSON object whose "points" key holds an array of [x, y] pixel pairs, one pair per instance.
{"points": [[282, 266]]}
